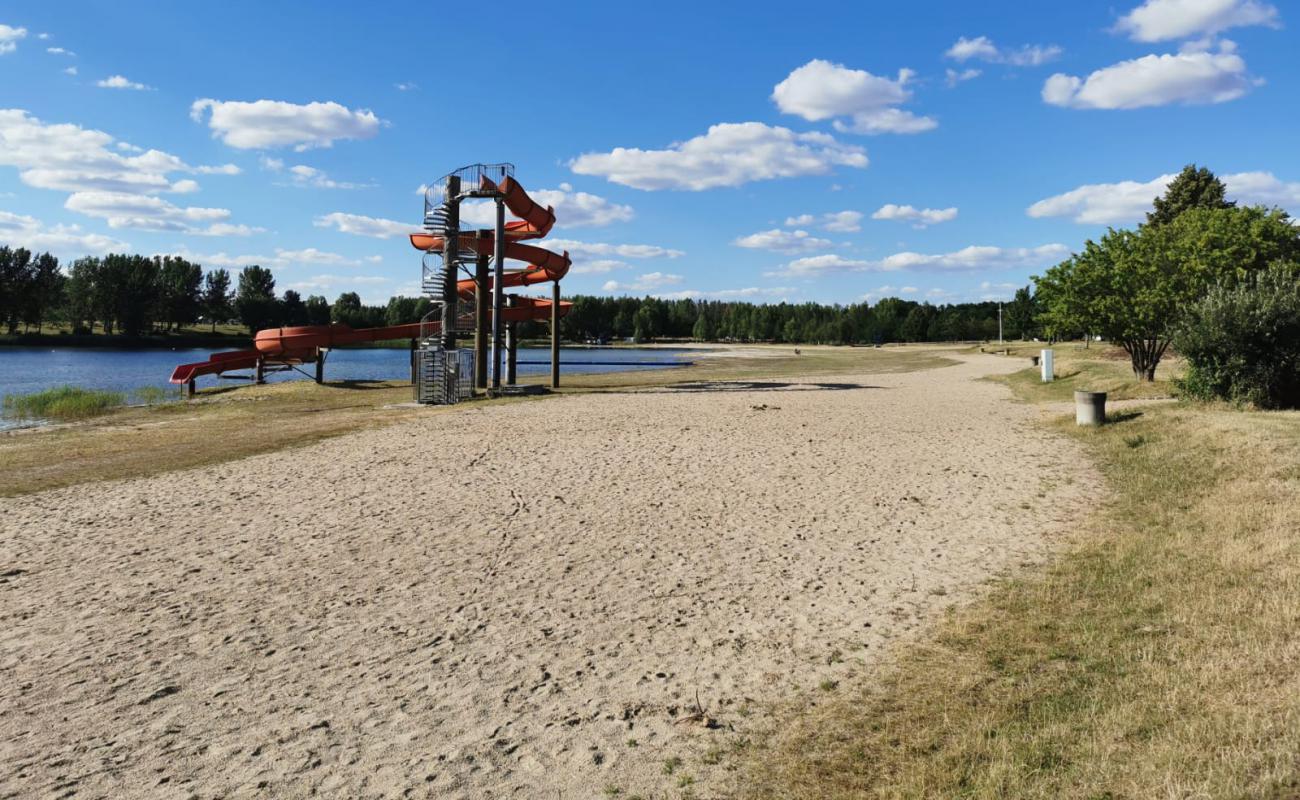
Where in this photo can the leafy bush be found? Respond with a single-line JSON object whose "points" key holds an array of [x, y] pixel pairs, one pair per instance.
{"points": [[64, 402], [1242, 342]]}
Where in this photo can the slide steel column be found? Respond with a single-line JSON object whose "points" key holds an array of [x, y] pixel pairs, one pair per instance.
{"points": [[555, 335], [498, 274], [481, 321], [450, 252]]}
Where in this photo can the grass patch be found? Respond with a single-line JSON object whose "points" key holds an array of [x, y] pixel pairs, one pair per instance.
{"points": [[1156, 658], [1099, 368], [62, 403]]}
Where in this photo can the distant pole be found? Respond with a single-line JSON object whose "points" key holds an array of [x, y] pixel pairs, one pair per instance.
{"points": [[555, 335], [999, 322]]}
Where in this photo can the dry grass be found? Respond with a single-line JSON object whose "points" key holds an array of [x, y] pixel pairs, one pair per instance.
{"points": [[230, 423], [1099, 368], [1158, 658]]}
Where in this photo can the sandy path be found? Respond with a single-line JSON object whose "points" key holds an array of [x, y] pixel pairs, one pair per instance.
{"points": [[351, 619]]}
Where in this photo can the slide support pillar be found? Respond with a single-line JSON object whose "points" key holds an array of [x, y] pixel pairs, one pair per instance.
{"points": [[555, 335], [320, 364], [450, 253], [259, 372], [189, 389], [512, 348], [482, 308], [498, 275]]}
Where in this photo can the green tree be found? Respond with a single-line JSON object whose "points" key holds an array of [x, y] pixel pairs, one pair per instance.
{"points": [[1132, 286], [130, 286], [255, 301], [46, 293], [1021, 313], [347, 310], [216, 297], [1193, 188], [179, 291], [703, 330], [17, 279], [917, 323], [318, 310], [292, 310]]}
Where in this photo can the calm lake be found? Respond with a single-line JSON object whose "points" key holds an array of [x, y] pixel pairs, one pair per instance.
{"points": [[31, 369]]}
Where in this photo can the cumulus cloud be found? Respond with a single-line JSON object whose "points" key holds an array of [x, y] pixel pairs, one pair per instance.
{"points": [[70, 71], [9, 38], [982, 48], [729, 154], [967, 259], [573, 209], [747, 293], [151, 213], [1154, 80], [648, 282], [360, 225], [953, 77], [22, 231], [1161, 20], [1127, 202], [598, 266], [280, 258], [121, 82], [919, 217], [303, 176], [71, 158], [834, 221], [822, 90], [601, 249], [59, 51], [783, 241], [263, 124]]}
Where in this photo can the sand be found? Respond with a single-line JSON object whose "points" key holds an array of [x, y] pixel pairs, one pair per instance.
{"points": [[548, 598]]}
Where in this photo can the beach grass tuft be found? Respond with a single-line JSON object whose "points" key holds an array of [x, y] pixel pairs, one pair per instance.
{"points": [[62, 403]]}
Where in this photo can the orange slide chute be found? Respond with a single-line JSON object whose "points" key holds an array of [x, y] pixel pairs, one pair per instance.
{"points": [[299, 345]]}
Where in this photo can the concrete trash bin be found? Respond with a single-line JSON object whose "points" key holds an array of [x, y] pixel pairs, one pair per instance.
{"points": [[1090, 408]]}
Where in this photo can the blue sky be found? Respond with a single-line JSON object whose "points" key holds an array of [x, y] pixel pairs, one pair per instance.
{"points": [[816, 151]]}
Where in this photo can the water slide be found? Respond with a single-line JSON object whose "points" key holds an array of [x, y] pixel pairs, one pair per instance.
{"points": [[298, 345]]}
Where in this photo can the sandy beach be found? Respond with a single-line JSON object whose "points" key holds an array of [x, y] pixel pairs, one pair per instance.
{"points": [[546, 598]]}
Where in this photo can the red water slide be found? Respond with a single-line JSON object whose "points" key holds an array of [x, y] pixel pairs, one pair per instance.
{"points": [[299, 345]]}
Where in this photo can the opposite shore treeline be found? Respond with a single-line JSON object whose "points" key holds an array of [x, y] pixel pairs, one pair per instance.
{"points": [[133, 296]]}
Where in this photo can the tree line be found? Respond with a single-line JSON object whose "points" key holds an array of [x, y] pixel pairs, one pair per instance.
{"points": [[135, 295]]}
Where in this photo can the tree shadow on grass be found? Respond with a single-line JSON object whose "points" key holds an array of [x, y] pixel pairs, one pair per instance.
{"points": [[1120, 417]]}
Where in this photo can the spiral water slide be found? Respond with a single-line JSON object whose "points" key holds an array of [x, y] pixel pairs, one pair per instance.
{"points": [[302, 344]]}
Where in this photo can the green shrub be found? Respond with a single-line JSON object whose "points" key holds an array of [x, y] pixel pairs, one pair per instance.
{"points": [[1242, 342], [63, 402]]}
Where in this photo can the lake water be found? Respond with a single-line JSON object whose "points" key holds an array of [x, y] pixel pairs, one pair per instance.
{"points": [[31, 369]]}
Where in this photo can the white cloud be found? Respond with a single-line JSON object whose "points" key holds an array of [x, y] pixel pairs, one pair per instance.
{"points": [[1128, 201], [71, 158], [648, 282], [834, 221], [747, 293], [9, 38], [62, 240], [1153, 80], [579, 249], [982, 48], [967, 259], [953, 77], [599, 266], [272, 123], [572, 209], [70, 71], [281, 258], [150, 213], [919, 217], [121, 82], [783, 241], [360, 225], [406, 87], [304, 176], [1161, 20], [59, 51], [729, 154], [821, 90], [220, 169]]}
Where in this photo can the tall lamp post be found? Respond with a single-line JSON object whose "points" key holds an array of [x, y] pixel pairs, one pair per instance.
{"points": [[999, 322]]}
